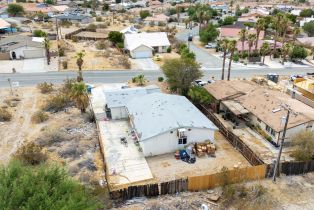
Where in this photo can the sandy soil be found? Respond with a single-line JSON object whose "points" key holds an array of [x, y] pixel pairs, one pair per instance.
{"points": [[289, 193], [166, 167], [165, 56]]}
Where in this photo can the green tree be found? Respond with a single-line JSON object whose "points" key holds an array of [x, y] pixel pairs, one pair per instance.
{"points": [[199, 95], [296, 32], [47, 46], [304, 145], [224, 44], [286, 50], [231, 47], [209, 34], [79, 95], [115, 37], [265, 49], [79, 63], [39, 33], [140, 80], [42, 187], [284, 25], [298, 52], [15, 10], [309, 28], [243, 36], [186, 53], [276, 23], [260, 24], [229, 20], [180, 74], [306, 13], [251, 39], [144, 14]]}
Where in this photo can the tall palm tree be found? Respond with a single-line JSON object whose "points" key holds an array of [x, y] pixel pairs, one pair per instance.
{"points": [[79, 95], [286, 49], [200, 17], [296, 33], [231, 47], [224, 45], [47, 46], [264, 50], [260, 24], [242, 37], [284, 25], [276, 21], [79, 63], [251, 39]]}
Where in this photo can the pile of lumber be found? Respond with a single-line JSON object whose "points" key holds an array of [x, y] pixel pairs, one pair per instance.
{"points": [[202, 149]]}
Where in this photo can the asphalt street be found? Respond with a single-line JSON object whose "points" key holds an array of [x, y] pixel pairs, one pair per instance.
{"points": [[97, 77]]}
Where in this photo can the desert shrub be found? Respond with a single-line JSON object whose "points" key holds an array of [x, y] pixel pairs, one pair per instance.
{"points": [[65, 64], [160, 79], [100, 45], [124, 61], [30, 154], [89, 116], [52, 137], [169, 50], [91, 27], [74, 39], [102, 26], [5, 115], [45, 87], [39, 33], [98, 19], [66, 23], [42, 187], [40, 116], [71, 152], [61, 51], [236, 57], [57, 102], [67, 86], [304, 145]]}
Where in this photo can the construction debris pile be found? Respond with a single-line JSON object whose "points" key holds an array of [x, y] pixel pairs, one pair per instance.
{"points": [[202, 149]]}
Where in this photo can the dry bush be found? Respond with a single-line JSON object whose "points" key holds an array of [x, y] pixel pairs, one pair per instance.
{"points": [[45, 87], [65, 64], [57, 102], [304, 145], [101, 45], [40, 116], [124, 61], [5, 115], [89, 116], [52, 137], [71, 152], [30, 154]]}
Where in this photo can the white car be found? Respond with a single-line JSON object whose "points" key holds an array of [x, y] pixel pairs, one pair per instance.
{"points": [[211, 45]]}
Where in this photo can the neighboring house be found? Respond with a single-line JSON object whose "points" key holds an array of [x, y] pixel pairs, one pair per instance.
{"points": [[4, 26], [221, 6], [232, 31], [157, 19], [75, 18], [162, 123], [60, 8], [22, 47], [245, 102], [306, 20], [34, 8], [129, 30], [305, 87], [296, 12], [142, 45]]}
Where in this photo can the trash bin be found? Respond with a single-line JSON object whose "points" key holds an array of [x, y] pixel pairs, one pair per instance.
{"points": [[273, 77]]}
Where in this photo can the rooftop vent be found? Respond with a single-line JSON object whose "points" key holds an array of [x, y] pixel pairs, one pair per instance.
{"points": [[276, 110]]}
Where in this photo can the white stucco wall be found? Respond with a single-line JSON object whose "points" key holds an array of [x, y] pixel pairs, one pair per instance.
{"points": [[118, 113], [19, 52], [168, 142]]}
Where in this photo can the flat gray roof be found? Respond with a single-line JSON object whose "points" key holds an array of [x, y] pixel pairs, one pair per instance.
{"points": [[157, 113]]}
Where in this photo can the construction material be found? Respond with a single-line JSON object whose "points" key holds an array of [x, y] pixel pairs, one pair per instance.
{"points": [[202, 149]]}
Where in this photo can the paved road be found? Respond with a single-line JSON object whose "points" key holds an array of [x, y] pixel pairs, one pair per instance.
{"points": [[32, 79]]}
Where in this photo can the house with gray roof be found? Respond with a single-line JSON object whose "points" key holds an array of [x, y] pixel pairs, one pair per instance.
{"points": [[75, 18], [22, 47]]}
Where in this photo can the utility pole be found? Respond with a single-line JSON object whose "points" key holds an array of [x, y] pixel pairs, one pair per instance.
{"points": [[9, 80], [281, 145]]}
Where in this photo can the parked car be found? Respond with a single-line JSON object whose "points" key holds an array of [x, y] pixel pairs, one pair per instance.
{"points": [[190, 38], [201, 83], [211, 45], [295, 76]]}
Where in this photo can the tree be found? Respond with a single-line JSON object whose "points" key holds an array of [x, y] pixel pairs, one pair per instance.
{"points": [[15, 9], [298, 52], [296, 32], [276, 21], [231, 47], [47, 46], [243, 36], [39, 33], [224, 44], [286, 50], [304, 143], [79, 95], [199, 95], [227, 21], [144, 14], [180, 74], [186, 53], [42, 187], [251, 39], [115, 37], [309, 28], [264, 50], [306, 13], [260, 24], [284, 25], [209, 34], [79, 63]]}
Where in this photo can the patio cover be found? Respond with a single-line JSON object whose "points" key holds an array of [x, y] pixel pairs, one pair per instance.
{"points": [[235, 107]]}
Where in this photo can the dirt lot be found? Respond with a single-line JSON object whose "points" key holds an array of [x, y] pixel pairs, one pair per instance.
{"points": [[290, 193], [166, 167], [67, 137]]}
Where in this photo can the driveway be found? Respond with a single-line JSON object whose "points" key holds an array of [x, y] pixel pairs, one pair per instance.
{"points": [[36, 65], [144, 64]]}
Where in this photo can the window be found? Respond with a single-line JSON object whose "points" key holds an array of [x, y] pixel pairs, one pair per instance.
{"points": [[182, 140], [259, 120]]}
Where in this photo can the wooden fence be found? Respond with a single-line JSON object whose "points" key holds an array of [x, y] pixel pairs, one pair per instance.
{"points": [[148, 190], [205, 182], [295, 168], [173, 187], [232, 138]]}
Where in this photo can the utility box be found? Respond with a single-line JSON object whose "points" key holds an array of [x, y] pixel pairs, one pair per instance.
{"points": [[273, 77]]}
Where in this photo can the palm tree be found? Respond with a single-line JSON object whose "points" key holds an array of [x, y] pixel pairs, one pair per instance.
{"points": [[243, 37], [276, 21], [296, 33], [231, 47], [260, 24], [224, 45], [79, 95], [286, 49], [264, 50], [200, 16], [284, 25], [79, 63], [47, 46], [251, 40]]}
